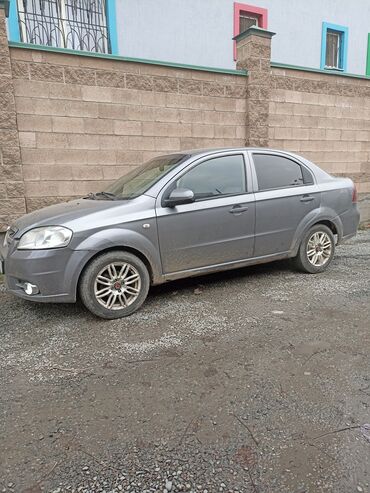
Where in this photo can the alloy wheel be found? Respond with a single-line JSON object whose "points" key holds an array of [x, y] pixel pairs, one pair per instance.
{"points": [[319, 248], [117, 285]]}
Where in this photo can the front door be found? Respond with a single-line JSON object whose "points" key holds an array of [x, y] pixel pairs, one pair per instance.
{"points": [[215, 229]]}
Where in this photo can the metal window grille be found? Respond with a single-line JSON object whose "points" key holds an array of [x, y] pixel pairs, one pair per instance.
{"points": [[333, 48], [74, 24], [246, 21]]}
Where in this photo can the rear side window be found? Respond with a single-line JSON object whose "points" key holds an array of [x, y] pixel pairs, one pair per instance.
{"points": [[216, 177], [279, 172]]}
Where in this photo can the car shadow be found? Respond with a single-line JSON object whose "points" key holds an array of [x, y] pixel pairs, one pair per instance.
{"points": [[68, 310], [220, 277]]}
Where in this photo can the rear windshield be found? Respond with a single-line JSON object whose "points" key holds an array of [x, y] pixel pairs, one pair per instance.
{"points": [[142, 178]]}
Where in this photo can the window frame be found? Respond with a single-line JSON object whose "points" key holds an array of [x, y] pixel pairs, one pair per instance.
{"points": [[343, 48], [259, 12], [368, 56], [338, 43], [171, 185], [289, 158]]}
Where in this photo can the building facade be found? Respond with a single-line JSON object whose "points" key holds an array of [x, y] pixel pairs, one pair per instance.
{"points": [[332, 35]]}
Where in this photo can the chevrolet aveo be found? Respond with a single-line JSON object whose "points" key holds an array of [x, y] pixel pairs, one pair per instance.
{"points": [[176, 216]]}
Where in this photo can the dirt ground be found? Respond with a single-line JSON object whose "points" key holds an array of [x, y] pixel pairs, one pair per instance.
{"points": [[255, 380]]}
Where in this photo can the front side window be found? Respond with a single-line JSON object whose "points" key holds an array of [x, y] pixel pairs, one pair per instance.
{"points": [[334, 47], [279, 172], [215, 177], [74, 24]]}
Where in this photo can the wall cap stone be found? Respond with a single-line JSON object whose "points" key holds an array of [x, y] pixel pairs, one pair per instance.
{"points": [[254, 31], [16, 44], [318, 70]]}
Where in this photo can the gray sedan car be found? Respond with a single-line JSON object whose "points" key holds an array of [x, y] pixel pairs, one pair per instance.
{"points": [[179, 215]]}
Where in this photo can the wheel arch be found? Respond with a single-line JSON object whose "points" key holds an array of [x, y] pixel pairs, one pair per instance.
{"points": [[128, 249], [145, 247], [330, 220], [328, 223]]}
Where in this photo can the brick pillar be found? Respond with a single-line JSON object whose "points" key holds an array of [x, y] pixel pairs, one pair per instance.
{"points": [[12, 201], [253, 48]]}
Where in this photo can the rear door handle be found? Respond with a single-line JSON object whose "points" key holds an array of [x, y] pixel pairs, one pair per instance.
{"points": [[238, 209], [306, 198]]}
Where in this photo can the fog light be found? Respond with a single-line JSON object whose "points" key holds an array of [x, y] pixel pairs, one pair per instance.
{"points": [[30, 288]]}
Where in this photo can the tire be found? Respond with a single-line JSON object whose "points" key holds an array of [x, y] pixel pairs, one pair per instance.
{"points": [[318, 236], [114, 285]]}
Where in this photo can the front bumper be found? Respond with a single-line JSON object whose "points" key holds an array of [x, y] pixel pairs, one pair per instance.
{"points": [[55, 272]]}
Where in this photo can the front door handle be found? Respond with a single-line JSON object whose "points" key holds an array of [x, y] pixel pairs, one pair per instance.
{"points": [[238, 209], [306, 198]]}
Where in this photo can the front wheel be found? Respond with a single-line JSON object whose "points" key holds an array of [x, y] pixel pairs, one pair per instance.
{"points": [[316, 250], [114, 285]]}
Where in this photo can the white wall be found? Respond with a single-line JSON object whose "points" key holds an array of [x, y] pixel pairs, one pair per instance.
{"points": [[199, 32]]}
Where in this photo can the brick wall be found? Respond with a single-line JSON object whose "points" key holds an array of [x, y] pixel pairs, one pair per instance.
{"points": [[84, 121], [325, 118]]}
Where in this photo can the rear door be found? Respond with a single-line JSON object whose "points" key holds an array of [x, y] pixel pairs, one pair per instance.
{"points": [[285, 193], [219, 226]]}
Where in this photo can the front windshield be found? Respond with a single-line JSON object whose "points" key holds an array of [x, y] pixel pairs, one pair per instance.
{"points": [[142, 178]]}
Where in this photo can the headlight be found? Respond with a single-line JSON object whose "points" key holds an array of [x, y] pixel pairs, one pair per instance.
{"points": [[46, 237]]}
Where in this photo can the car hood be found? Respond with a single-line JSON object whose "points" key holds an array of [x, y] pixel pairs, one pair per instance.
{"points": [[63, 214]]}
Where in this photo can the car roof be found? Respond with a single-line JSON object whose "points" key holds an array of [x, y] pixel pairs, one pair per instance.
{"points": [[199, 152]]}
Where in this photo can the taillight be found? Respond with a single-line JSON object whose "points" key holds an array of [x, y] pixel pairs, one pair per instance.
{"points": [[354, 194]]}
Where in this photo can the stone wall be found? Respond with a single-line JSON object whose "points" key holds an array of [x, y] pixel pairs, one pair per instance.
{"points": [[325, 118], [84, 120], [12, 202]]}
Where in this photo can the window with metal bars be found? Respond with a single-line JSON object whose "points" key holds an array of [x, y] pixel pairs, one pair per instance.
{"points": [[246, 21], [73, 24]]}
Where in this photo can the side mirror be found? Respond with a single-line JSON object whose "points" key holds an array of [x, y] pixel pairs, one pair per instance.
{"points": [[179, 196]]}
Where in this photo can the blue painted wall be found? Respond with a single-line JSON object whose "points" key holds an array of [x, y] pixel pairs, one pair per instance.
{"points": [[200, 31], [13, 26], [112, 26]]}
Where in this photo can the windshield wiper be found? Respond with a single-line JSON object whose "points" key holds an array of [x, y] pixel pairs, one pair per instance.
{"points": [[108, 195], [90, 196]]}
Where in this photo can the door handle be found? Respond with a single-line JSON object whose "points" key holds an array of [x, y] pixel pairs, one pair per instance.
{"points": [[306, 198], [238, 209]]}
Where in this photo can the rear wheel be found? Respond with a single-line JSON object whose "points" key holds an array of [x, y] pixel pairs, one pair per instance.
{"points": [[114, 285], [316, 250]]}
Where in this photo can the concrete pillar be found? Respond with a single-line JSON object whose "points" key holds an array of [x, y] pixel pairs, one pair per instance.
{"points": [[12, 201], [253, 48]]}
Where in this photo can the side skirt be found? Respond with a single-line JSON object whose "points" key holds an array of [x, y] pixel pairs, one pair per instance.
{"points": [[227, 266]]}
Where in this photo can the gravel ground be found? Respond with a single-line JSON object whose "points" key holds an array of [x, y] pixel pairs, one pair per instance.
{"points": [[256, 380]]}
